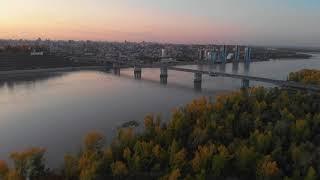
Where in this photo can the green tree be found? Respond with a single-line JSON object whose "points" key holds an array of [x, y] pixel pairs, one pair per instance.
{"points": [[311, 174]]}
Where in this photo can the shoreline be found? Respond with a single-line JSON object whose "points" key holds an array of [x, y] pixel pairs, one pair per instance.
{"points": [[24, 72]]}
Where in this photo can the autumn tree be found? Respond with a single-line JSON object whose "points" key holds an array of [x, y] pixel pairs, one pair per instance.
{"points": [[29, 163]]}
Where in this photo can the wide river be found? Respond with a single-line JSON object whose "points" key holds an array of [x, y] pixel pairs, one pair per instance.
{"points": [[56, 111]]}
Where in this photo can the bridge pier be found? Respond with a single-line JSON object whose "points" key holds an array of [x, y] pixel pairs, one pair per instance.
{"points": [[137, 72], [245, 84], [163, 75], [197, 81], [116, 69]]}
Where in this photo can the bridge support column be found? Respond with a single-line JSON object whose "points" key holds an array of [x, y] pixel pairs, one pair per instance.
{"points": [[116, 69], [245, 84], [163, 75], [235, 67], [137, 72], [197, 81]]}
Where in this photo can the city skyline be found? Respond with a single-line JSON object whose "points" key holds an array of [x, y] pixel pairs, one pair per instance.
{"points": [[289, 22]]}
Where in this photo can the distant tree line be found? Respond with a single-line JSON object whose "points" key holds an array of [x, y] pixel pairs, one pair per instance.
{"points": [[256, 133], [307, 76]]}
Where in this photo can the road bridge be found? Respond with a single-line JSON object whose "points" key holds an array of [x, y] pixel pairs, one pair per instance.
{"points": [[282, 83], [164, 67]]}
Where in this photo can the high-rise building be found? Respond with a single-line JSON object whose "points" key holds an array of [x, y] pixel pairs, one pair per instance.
{"points": [[163, 53], [213, 56], [201, 54], [223, 54]]}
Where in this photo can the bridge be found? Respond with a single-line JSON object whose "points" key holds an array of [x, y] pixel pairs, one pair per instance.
{"points": [[198, 75], [246, 78], [164, 67]]}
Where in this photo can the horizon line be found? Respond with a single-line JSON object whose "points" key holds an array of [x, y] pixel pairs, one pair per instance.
{"points": [[157, 42]]}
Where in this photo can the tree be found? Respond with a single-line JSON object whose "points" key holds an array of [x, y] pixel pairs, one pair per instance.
{"points": [[14, 175], [89, 165], [94, 141], [174, 175], [29, 163], [311, 174], [3, 169], [119, 169], [246, 159], [218, 165], [179, 159], [70, 167], [203, 155], [268, 169]]}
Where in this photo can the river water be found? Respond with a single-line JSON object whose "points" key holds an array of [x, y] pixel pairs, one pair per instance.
{"points": [[55, 111]]}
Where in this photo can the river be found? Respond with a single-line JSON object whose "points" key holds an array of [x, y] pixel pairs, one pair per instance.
{"points": [[55, 111]]}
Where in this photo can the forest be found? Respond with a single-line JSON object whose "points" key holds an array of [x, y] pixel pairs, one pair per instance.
{"points": [[254, 133]]}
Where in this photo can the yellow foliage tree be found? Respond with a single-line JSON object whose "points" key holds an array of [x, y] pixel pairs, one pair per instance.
{"points": [[94, 141], [29, 163], [268, 168], [202, 157], [70, 166], [13, 175], [174, 175], [3, 168], [89, 164], [179, 159], [119, 169]]}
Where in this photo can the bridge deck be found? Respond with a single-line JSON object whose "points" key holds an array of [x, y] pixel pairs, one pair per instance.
{"points": [[295, 85], [126, 64]]}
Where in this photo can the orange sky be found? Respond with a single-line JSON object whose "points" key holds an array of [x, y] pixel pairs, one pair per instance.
{"points": [[208, 21], [21, 20]]}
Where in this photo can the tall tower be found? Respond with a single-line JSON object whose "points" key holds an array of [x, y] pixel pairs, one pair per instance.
{"points": [[247, 55], [237, 54]]}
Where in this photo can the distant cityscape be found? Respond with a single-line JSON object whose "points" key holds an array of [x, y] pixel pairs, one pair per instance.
{"points": [[95, 52]]}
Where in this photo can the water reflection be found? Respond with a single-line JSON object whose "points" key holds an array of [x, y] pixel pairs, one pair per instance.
{"points": [[235, 67], [213, 67], [164, 80], [28, 80], [246, 68], [222, 67], [198, 86]]}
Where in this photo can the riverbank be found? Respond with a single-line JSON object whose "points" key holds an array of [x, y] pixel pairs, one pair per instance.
{"points": [[4, 74], [24, 61]]}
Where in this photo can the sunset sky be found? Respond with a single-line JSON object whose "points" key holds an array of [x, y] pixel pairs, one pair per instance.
{"points": [[257, 22]]}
